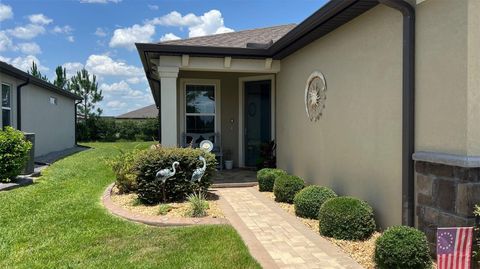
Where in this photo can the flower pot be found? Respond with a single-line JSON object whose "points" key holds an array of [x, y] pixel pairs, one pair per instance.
{"points": [[229, 164]]}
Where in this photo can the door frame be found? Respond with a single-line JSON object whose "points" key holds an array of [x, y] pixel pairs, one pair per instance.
{"points": [[241, 105]]}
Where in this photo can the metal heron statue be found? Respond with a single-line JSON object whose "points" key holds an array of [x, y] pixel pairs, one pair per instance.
{"points": [[165, 174]]}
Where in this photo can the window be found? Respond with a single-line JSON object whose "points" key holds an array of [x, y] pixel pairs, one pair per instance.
{"points": [[200, 109], [6, 105], [53, 100]]}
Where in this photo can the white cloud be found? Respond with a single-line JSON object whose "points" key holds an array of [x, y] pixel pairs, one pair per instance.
{"points": [[72, 68], [168, 37], [31, 48], [24, 63], [100, 1], [116, 104], [106, 66], [209, 23], [40, 19], [153, 7], [5, 12], [70, 38], [100, 32], [126, 37], [117, 87], [5, 42], [136, 80], [28, 31], [67, 29]]}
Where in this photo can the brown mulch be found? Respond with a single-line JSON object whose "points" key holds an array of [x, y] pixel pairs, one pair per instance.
{"points": [[361, 251], [130, 203]]}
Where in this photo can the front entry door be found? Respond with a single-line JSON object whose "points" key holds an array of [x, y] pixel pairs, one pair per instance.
{"points": [[258, 125]]}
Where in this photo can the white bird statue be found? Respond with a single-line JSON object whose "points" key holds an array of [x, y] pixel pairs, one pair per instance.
{"points": [[166, 173], [199, 172]]}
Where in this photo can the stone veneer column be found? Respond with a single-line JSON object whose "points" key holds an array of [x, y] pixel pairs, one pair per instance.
{"points": [[447, 189], [168, 105]]}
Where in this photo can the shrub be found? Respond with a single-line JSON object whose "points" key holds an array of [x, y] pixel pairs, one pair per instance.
{"points": [[122, 166], [148, 162], [346, 218], [163, 209], [308, 201], [286, 187], [266, 178], [402, 247], [14, 151], [198, 205]]}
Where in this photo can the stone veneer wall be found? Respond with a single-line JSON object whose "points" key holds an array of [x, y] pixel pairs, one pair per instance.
{"points": [[446, 196]]}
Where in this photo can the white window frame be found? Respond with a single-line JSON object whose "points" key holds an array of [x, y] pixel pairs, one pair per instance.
{"points": [[183, 108], [4, 107]]}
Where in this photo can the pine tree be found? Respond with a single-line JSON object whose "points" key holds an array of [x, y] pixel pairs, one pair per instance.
{"points": [[87, 87], [61, 80], [36, 73]]}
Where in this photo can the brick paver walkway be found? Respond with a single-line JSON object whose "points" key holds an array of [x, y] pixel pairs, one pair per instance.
{"points": [[275, 238]]}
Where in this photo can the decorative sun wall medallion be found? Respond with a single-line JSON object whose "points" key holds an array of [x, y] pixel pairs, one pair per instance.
{"points": [[315, 96]]}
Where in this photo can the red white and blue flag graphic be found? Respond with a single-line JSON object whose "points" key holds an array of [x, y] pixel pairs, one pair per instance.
{"points": [[454, 248]]}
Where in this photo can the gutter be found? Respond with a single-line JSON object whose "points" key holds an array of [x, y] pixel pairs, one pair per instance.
{"points": [[408, 108], [19, 103]]}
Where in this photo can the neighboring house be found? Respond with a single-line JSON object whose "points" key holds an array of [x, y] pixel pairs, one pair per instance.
{"points": [[148, 112], [32, 105], [397, 89]]}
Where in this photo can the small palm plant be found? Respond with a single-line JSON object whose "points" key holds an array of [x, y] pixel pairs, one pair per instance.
{"points": [[198, 205]]}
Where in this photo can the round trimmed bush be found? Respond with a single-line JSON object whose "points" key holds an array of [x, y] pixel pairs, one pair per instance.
{"points": [[402, 247], [266, 178], [346, 218], [309, 200], [286, 187], [14, 149]]}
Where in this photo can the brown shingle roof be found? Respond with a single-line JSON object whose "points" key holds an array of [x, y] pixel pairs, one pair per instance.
{"points": [[236, 39], [148, 112]]}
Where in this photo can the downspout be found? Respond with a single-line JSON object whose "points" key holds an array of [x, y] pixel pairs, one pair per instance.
{"points": [[408, 108], [76, 121], [19, 103]]}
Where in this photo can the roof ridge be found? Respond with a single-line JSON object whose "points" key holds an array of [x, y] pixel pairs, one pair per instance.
{"points": [[229, 33]]}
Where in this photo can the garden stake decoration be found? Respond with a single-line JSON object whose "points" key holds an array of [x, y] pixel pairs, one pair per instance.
{"points": [[199, 172], [165, 174]]}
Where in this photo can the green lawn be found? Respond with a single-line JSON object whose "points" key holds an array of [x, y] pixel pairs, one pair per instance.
{"points": [[59, 222]]}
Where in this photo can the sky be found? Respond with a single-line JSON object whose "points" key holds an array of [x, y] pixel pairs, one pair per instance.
{"points": [[99, 35]]}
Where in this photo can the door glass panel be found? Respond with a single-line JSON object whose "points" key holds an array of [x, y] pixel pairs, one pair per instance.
{"points": [[5, 95], [6, 117], [200, 124], [200, 99], [257, 119]]}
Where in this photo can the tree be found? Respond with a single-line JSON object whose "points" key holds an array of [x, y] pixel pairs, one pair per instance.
{"points": [[87, 87], [61, 80], [36, 73]]}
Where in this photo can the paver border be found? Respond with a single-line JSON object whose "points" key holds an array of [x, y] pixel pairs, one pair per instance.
{"points": [[160, 221]]}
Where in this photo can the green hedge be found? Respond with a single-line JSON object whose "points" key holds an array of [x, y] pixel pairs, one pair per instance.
{"points": [[309, 200], [266, 178], [148, 162], [14, 151], [110, 130], [122, 165], [346, 218], [286, 187], [402, 247]]}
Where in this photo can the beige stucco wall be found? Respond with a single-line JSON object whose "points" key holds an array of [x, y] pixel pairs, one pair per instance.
{"points": [[53, 125], [355, 148], [229, 102]]}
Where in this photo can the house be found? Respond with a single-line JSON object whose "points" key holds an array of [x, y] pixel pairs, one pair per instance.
{"points": [[378, 99], [148, 112], [35, 106]]}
